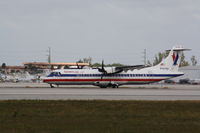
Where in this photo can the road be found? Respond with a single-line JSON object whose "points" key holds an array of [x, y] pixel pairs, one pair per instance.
{"points": [[144, 92]]}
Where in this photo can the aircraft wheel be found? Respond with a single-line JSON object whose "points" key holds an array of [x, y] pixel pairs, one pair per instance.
{"points": [[51, 86], [115, 86], [103, 86]]}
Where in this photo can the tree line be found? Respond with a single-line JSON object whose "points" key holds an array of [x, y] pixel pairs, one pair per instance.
{"points": [[157, 59]]}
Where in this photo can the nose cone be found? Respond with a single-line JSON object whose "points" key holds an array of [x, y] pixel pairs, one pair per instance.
{"points": [[45, 79]]}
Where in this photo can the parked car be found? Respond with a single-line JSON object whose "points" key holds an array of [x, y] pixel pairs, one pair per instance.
{"points": [[195, 81], [184, 81], [169, 81]]}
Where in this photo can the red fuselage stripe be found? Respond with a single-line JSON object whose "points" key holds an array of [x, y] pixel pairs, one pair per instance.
{"points": [[86, 80]]}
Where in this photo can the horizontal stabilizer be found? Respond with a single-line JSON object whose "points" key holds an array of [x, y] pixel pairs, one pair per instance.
{"points": [[179, 48]]}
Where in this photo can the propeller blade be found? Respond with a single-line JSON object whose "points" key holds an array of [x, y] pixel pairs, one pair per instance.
{"points": [[102, 69], [102, 65]]}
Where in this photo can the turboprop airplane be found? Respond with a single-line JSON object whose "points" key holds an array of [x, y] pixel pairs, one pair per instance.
{"points": [[117, 76]]}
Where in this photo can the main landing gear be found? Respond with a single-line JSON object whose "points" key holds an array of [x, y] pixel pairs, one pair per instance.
{"points": [[106, 85], [111, 86], [115, 86]]}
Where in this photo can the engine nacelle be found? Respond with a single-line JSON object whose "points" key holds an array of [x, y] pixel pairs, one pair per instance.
{"points": [[110, 70]]}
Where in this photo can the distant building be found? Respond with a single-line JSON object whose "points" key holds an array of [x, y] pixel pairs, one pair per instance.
{"points": [[190, 72], [45, 65], [13, 69], [40, 66]]}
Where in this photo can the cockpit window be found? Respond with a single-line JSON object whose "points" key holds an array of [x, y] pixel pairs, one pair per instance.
{"points": [[54, 74]]}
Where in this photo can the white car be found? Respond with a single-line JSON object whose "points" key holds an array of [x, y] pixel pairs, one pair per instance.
{"points": [[195, 81]]}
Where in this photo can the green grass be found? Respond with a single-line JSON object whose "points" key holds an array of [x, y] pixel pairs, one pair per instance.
{"points": [[26, 116]]}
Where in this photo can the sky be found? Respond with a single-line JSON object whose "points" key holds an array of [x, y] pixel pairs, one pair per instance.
{"points": [[116, 31]]}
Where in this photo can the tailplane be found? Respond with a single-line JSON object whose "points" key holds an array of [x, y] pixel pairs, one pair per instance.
{"points": [[172, 61]]}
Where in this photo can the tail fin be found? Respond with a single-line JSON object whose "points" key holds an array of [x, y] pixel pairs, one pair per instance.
{"points": [[172, 61]]}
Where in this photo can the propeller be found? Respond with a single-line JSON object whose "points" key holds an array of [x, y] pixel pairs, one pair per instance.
{"points": [[102, 69]]}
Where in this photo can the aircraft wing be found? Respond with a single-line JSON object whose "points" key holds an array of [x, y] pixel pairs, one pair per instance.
{"points": [[115, 70], [121, 69], [126, 68]]}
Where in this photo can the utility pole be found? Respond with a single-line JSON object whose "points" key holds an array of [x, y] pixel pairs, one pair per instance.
{"points": [[49, 55], [145, 57]]}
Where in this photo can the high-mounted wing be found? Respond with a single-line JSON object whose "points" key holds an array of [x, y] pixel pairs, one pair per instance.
{"points": [[126, 68], [115, 70]]}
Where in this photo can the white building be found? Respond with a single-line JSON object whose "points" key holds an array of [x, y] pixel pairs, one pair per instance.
{"points": [[190, 72]]}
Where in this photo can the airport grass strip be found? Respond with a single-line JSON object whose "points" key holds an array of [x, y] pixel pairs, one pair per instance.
{"points": [[29, 116]]}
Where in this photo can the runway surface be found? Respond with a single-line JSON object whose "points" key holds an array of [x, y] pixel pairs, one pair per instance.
{"points": [[146, 92]]}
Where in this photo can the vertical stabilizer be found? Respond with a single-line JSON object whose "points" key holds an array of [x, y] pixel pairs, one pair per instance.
{"points": [[172, 61]]}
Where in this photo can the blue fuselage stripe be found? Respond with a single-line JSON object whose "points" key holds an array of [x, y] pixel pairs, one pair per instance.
{"points": [[116, 75]]}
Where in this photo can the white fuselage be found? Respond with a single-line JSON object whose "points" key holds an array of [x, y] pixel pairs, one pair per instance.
{"points": [[91, 76]]}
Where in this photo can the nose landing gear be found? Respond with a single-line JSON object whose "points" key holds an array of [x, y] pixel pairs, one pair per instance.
{"points": [[52, 86]]}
